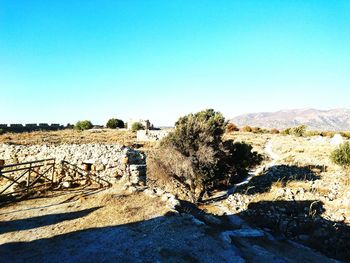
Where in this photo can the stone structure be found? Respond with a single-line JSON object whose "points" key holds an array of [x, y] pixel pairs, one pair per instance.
{"points": [[32, 127], [337, 139], [151, 135], [109, 162]]}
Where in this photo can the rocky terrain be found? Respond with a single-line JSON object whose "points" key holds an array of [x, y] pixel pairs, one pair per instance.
{"points": [[302, 196], [109, 162], [139, 225], [332, 120], [294, 208]]}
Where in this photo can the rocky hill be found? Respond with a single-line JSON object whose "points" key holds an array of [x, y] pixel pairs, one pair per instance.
{"points": [[335, 119]]}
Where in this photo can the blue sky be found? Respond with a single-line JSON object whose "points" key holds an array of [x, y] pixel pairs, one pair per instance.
{"points": [[62, 61]]}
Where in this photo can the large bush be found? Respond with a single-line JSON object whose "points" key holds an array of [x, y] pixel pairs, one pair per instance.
{"points": [[115, 123], [83, 125], [197, 157], [341, 155]]}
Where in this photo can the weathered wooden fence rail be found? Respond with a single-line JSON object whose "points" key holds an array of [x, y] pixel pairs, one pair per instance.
{"points": [[21, 177], [76, 173]]}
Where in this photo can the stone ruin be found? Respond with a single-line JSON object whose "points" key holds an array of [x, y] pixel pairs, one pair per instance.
{"points": [[30, 127], [109, 162], [337, 139], [151, 135]]}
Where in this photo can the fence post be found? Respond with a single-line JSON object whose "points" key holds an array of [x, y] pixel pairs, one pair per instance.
{"points": [[28, 177], [53, 172], [2, 163]]}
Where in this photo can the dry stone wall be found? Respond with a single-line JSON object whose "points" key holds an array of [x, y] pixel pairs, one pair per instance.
{"points": [[109, 162]]}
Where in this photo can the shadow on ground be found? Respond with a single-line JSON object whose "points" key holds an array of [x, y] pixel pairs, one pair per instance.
{"points": [[39, 221], [277, 173], [166, 238], [183, 238], [301, 221]]}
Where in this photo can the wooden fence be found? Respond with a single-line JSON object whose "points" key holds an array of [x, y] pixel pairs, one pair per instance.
{"points": [[21, 177]]}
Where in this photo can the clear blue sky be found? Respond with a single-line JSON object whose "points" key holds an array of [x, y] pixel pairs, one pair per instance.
{"points": [[62, 61]]}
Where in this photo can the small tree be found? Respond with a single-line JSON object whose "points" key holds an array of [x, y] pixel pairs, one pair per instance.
{"points": [[196, 155], [83, 125], [115, 123], [136, 126], [341, 155]]}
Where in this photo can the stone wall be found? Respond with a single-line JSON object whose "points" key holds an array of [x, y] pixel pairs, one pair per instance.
{"points": [[109, 162], [151, 135], [32, 127]]}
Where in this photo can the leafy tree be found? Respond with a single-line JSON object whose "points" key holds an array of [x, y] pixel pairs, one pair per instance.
{"points": [[83, 125], [115, 123]]}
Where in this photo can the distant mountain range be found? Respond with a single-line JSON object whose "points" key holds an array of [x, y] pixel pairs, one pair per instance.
{"points": [[333, 120]]}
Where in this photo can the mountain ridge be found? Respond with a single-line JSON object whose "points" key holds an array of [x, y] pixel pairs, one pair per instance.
{"points": [[315, 119]]}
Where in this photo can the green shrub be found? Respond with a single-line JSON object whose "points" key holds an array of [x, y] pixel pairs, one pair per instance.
{"points": [[2, 131], [115, 123], [136, 126], [286, 131], [231, 127], [341, 155], [345, 134], [239, 158], [298, 131], [312, 133], [195, 155], [83, 125]]}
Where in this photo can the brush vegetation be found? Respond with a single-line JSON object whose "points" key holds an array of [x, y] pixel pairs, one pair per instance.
{"points": [[196, 155]]}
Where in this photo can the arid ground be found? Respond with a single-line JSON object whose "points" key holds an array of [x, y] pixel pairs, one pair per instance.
{"points": [[301, 198]]}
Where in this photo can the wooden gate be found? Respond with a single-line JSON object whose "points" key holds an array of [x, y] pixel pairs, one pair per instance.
{"points": [[21, 177]]}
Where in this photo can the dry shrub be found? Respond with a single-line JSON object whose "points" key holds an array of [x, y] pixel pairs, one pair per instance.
{"points": [[341, 155], [247, 129], [274, 131], [328, 133], [231, 127], [158, 162], [196, 156]]}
